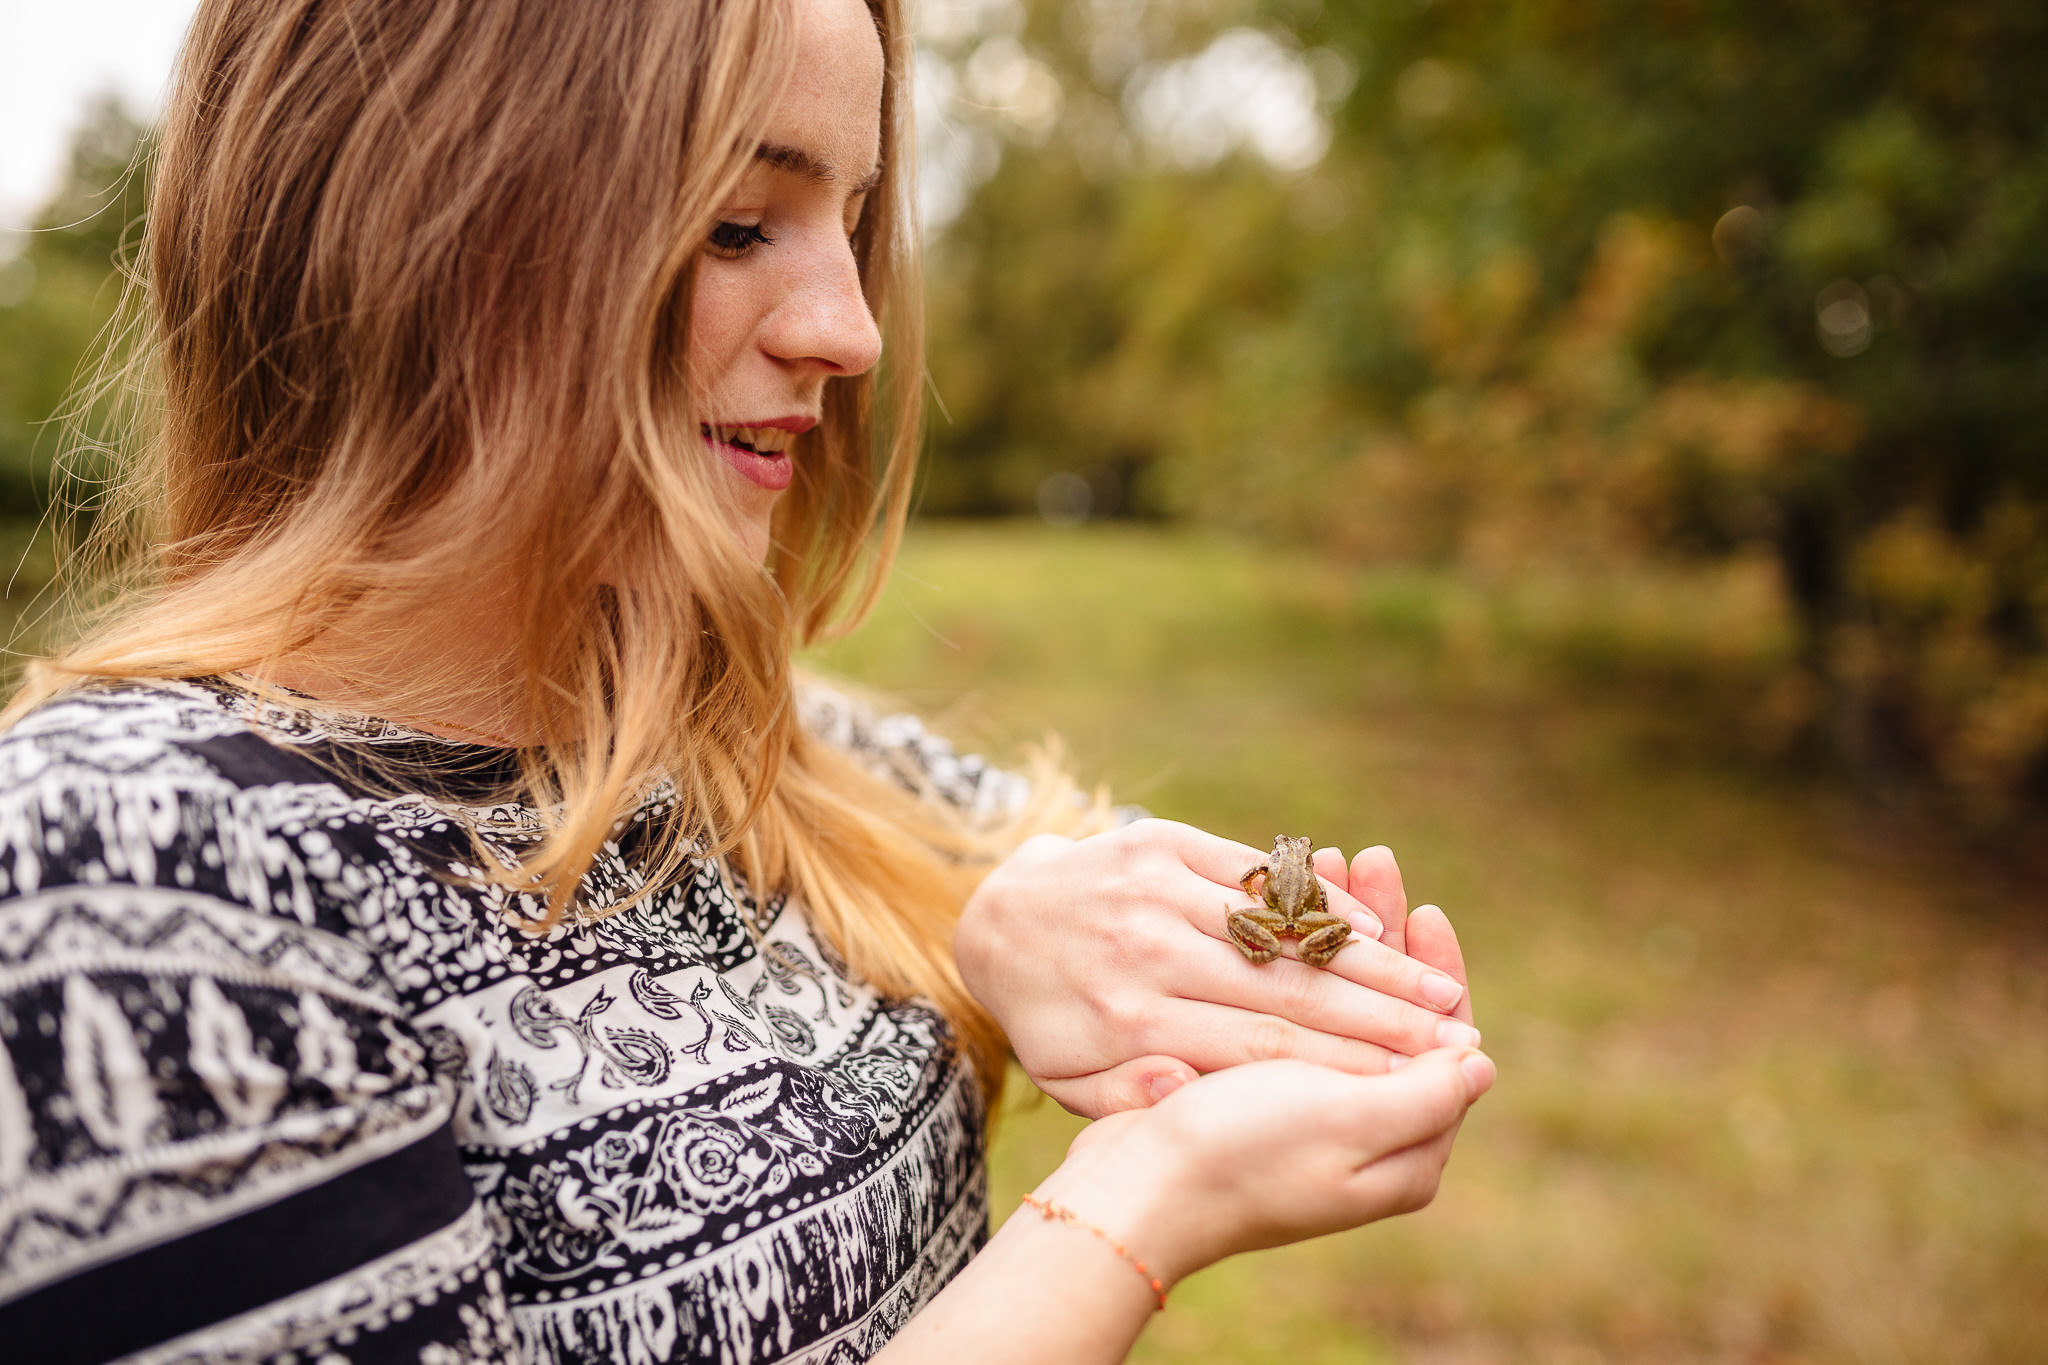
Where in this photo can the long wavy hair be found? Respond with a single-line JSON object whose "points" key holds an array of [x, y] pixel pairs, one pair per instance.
{"points": [[416, 286]]}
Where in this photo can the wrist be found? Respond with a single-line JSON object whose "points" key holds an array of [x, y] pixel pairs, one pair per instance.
{"points": [[1137, 1192], [1053, 1212]]}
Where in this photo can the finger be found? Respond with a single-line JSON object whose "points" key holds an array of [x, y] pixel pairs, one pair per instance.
{"points": [[1423, 1100], [1375, 881], [1195, 897], [1378, 967], [1431, 940], [1329, 867], [1403, 1181], [1406, 1180], [1368, 992], [1222, 861], [1279, 987], [1136, 1084], [1364, 962], [1213, 1037]]}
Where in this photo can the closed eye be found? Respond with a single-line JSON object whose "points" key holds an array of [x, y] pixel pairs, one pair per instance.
{"points": [[737, 239]]}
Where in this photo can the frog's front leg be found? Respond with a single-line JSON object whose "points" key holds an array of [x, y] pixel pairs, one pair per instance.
{"points": [[1256, 932], [1322, 934]]}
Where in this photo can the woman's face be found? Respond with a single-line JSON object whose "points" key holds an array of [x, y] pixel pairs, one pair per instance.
{"points": [[778, 307]]}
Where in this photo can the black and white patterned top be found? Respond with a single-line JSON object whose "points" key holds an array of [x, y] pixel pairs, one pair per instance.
{"points": [[275, 1086]]}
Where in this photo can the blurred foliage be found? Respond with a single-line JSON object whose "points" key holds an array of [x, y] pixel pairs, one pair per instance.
{"points": [[58, 294], [1604, 285], [1585, 291]]}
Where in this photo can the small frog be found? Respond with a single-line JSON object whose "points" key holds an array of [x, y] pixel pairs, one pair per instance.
{"points": [[1294, 906]]}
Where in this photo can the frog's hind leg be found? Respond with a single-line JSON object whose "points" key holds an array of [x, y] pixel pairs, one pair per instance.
{"points": [[1327, 935], [1252, 932]]}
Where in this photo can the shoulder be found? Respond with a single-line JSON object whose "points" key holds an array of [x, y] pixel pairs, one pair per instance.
{"points": [[140, 841], [153, 742], [198, 1058], [113, 729], [164, 789], [900, 746]]}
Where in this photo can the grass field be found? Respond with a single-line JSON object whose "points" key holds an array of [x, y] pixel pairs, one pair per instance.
{"points": [[1774, 1062]]}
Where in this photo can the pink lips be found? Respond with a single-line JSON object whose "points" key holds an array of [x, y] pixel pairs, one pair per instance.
{"points": [[772, 472]]}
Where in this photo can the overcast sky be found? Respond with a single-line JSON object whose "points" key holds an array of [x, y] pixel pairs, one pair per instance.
{"points": [[54, 55]]}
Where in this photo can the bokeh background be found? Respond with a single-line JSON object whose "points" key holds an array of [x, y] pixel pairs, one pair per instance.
{"points": [[1597, 449]]}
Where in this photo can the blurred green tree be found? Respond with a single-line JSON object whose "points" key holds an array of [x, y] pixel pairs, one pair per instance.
{"points": [[1604, 282], [59, 292]]}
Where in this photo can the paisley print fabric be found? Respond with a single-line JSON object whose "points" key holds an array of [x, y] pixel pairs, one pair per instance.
{"points": [[278, 1084]]}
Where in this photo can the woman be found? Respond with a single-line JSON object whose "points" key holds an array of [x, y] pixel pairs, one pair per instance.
{"points": [[438, 927]]}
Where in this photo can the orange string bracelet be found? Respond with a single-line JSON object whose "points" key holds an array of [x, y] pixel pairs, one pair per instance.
{"points": [[1049, 1211]]}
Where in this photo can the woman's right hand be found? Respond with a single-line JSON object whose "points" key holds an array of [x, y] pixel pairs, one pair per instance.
{"points": [[1268, 1153]]}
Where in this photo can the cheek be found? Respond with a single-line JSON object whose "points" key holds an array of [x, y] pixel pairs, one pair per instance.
{"points": [[719, 326]]}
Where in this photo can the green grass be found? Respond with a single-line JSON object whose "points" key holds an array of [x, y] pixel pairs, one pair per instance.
{"points": [[1774, 1063], [1774, 1070]]}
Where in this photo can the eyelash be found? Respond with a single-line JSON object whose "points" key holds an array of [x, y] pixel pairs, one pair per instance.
{"points": [[737, 239]]}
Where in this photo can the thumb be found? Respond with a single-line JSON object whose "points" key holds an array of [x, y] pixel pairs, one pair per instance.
{"points": [[1137, 1084]]}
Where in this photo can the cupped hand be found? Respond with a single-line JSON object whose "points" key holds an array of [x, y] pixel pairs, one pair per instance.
{"points": [[1106, 961], [1266, 1154]]}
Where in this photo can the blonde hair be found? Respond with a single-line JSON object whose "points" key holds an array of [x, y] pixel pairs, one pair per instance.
{"points": [[418, 278]]}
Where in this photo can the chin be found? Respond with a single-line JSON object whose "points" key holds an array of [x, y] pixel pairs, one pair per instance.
{"points": [[756, 541]]}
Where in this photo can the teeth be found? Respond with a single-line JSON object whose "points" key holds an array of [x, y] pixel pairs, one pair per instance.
{"points": [[765, 440]]}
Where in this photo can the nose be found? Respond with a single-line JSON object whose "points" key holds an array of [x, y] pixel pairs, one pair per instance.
{"points": [[823, 318]]}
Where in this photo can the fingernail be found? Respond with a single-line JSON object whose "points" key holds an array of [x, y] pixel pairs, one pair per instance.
{"points": [[1398, 1060], [1441, 991], [1369, 925], [1164, 1083], [1452, 1033], [1478, 1069]]}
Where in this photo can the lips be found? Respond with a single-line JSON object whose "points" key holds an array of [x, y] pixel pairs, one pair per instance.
{"points": [[758, 452]]}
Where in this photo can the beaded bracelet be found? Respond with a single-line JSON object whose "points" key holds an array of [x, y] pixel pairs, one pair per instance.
{"points": [[1049, 1211]]}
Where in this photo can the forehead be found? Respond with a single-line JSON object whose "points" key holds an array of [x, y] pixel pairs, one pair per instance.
{"points": [[832, 106]]}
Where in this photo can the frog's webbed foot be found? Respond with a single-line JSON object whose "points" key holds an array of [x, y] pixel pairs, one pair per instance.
{"points": [[1327, 935], [1252, 932]]}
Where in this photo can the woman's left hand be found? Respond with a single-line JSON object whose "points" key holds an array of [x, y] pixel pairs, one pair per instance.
{"points": [[1106, 961]]}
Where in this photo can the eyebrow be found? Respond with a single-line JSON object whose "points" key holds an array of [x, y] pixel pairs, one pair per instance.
{"points": [[797, 161]]}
